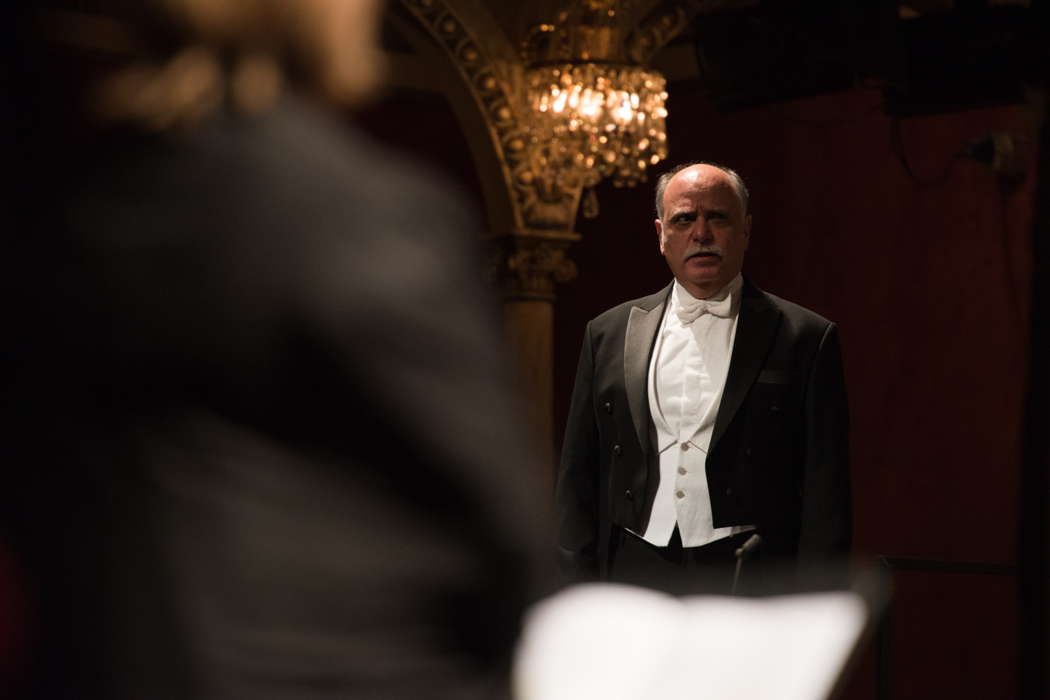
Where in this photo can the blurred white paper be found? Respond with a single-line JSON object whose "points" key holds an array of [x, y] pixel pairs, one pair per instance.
{"points": [[617, 642]]}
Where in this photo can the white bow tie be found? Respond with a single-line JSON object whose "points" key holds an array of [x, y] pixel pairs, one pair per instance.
{"points": [[689, 312]]}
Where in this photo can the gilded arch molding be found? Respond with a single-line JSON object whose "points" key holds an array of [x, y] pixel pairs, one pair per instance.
{"points": [[492, 72]]}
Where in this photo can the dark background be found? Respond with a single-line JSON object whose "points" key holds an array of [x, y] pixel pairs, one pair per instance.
{"points": [[930, 288], [875, 203]]}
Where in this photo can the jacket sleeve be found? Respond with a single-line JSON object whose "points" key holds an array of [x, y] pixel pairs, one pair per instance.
{"points": [[577, 495], [827, 514]]}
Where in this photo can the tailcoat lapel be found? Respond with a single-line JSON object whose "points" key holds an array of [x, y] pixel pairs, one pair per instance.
{"points": [[642, 326], [755, 331]]}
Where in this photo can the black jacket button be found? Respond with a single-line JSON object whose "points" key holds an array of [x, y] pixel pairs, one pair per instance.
{"points": [[617, 450], [608, 407], [628, 495], [729, 491]]}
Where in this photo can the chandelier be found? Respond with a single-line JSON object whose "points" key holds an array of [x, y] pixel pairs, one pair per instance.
{"points": [[595, 115]]}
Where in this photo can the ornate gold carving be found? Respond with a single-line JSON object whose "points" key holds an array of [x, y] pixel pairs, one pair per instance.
{"points": [[527, 266], [661, 25], [535, 207]]}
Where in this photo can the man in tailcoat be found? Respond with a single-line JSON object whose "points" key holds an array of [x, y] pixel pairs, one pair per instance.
{"points": [[703, 415]]}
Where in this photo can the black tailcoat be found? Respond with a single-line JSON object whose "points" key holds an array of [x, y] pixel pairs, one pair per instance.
{"points": [[778, 457]]}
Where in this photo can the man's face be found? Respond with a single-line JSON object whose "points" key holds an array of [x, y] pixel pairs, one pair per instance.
{"points": [[705, 231]]}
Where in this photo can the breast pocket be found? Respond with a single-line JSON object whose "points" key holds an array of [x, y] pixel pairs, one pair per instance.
{"points": [[772, 392], [774, 376], [775, 410]]}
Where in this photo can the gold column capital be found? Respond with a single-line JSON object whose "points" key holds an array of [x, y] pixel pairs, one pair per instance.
{"points": [[527, 264]]}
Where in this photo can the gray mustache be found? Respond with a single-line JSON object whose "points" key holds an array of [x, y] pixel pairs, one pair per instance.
{"points": [[705, 249]]}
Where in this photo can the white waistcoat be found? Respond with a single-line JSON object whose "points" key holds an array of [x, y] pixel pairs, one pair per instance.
{"points": [[687, 375]]}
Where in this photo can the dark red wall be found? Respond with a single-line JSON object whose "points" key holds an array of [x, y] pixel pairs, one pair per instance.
{"points": [[929, 284]]}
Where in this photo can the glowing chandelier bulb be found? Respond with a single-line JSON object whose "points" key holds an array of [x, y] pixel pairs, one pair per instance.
{"points": [[598, 120]]}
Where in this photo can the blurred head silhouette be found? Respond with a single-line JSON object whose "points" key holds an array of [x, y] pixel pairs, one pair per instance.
{"points": [[159, 64]]}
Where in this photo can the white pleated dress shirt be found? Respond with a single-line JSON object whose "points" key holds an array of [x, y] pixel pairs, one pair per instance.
{"points": [[686, 378]]}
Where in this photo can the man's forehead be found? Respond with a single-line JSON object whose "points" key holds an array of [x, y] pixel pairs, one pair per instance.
{"points": [[701, 178], [700, 183]]}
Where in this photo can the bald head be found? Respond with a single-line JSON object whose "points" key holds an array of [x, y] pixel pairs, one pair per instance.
{"points": [[665, 179]]}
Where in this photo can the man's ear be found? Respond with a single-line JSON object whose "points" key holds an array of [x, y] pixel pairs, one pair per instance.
{"points": [[747, 227], [660, 234]]}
